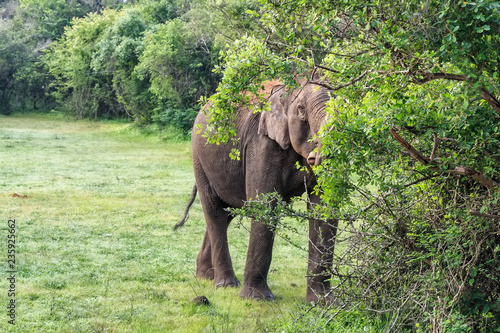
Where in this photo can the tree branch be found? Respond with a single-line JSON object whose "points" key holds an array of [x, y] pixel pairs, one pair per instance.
{"points": [[491, 216], [435, 146], [356, 79], [492, 101], [437, 76], [476, 175], [413, 152], [485, 94], [459, 170]]}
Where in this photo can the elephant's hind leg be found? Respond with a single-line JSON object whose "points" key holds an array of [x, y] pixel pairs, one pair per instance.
{"points": [[214, 260], [204, 267]]}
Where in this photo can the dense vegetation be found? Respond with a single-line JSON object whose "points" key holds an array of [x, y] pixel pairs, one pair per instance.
{"points": [[412, 137], [412, 147], [149, 61]]}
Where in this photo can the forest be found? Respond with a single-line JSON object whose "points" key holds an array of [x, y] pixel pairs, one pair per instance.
{"points": [[412, 137], [147, 61]]}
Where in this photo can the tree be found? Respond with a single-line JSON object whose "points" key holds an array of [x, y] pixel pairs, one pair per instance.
{"points": [[179, 66], [117, 54], [93, 63], [180, 55], [83, 91], [150, 61], [27, 28], [412, 146]]}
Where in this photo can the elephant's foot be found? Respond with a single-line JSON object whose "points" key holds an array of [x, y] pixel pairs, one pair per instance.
{"points": [[205, 273], [320, 294], [323, 300], [230, 281], [261, 293], [315, 298]]}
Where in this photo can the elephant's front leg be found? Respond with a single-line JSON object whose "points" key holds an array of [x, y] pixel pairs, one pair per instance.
{"points": [[260, 250], [321, 244]]}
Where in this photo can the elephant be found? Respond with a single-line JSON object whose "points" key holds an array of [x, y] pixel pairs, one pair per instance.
{"points": [[271, 143]]}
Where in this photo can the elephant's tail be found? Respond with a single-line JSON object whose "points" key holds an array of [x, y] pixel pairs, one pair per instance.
{"points": [[186, 211]]}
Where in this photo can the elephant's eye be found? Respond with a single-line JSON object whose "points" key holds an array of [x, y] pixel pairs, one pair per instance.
{"points": [[302, 112]]}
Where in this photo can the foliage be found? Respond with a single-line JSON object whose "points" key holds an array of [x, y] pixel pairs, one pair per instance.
{"points": [[178, 62], [116, 55], [69, 62], [248, 56], [146, 60], [27, 28], [180, 57], [412, 146], [100, 81], [151, 61]]}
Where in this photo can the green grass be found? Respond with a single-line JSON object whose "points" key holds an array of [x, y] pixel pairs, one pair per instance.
{"points": [[95, 247]]}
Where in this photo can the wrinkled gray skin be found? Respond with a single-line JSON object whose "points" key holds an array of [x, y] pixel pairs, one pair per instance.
{"points": [[271, 144]]}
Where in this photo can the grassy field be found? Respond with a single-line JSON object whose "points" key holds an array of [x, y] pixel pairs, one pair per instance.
{"points": [[95, 245], [94, 205]]}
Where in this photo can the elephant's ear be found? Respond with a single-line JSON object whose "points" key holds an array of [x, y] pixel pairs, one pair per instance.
{"points": [[274, 123]]}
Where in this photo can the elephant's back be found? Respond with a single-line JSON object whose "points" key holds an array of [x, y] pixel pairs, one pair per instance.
{"points": [[267, 88], [212, 163], [214, 167]]}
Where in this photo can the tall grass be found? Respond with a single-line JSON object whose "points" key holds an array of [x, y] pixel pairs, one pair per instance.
{"points": [[95, 247]]}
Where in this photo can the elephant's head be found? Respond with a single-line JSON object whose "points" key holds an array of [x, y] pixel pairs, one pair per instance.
{"points": [[295, 118]]}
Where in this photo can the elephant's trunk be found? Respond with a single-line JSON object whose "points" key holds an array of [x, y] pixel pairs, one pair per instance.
{"points": [[316, 120], [315, 157]]}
